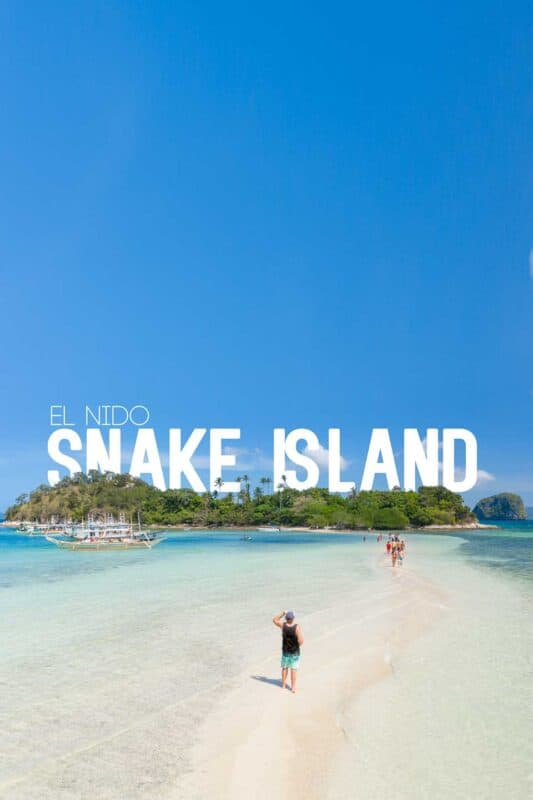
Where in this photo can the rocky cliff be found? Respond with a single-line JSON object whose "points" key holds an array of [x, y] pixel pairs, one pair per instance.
{"points": [[500, 506]]}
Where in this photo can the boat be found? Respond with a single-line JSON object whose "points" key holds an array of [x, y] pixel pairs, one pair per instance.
{"points": [[105, 539], [25, 528], [39, 529], [108, 535], [246, 538], [269, 528]]}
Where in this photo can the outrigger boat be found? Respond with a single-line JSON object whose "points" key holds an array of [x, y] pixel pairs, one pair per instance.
{"points": [[39, 529], [269, 528], [107, 536], [106, 539]]}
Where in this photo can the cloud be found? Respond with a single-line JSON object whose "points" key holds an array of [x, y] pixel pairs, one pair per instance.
{"points": [[246, 460], [321, 456], [484, 477], [200, 462]]}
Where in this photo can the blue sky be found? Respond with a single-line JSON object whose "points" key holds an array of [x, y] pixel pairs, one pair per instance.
{"points": [[301, 215]]}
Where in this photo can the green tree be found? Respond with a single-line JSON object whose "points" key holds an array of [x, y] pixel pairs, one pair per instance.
{"points": [[390, 519]]}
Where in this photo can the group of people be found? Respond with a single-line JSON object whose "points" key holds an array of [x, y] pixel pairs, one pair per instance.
{"points": [[291, 634], [395, 547]]}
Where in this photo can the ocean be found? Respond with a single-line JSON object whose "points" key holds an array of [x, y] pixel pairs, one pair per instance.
{"points": [[508, 551], [110, 661], [453, 720]]}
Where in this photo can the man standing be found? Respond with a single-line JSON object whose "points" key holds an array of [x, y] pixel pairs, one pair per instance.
{"points": [[291, 641]]}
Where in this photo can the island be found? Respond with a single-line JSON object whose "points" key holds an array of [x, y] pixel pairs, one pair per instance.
{"points": [[504, 506], [76, 498]]}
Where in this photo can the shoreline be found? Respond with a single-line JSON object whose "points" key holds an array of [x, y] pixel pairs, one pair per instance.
{"points": [[394, 660], [472, 526], [285, 746]]}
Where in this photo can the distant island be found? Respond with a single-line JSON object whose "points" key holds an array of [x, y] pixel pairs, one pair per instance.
{"points": [[504, 506], [95, 493]]}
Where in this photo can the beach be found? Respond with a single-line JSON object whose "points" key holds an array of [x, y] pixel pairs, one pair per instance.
{"points": [[156, 674], [287, 746]]}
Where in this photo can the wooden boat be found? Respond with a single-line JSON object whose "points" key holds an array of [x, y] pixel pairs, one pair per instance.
{"points": [[106, 536], [108, 540], [39, 529]]}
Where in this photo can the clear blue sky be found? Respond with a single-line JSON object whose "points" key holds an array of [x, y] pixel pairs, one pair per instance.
{"points": [[295, 215]]}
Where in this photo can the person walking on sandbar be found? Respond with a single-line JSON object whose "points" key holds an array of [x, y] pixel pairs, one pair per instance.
{"points": [[291, 641]]}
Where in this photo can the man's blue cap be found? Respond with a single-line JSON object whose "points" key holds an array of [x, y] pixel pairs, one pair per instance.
{"points": [[289, 615]]}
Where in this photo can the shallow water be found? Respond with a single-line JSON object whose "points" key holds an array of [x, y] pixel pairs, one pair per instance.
{"points": [[508, 550], [111, 660], [114, 658], [454, 720]]}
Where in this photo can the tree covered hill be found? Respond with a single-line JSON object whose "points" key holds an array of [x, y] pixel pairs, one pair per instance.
{"points": [[501, 506], [96, 493]]}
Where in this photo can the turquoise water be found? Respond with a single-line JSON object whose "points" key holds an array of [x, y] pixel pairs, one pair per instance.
{"points": [[26, 559], [454, 720], [111, 660], [508, 550]]}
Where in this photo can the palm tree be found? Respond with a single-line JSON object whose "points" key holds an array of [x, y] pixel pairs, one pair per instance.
{"points": [[246, 480], [206, 505], [239, 480], [280, 489], [281, 486], [266, 483], [219, 483]]}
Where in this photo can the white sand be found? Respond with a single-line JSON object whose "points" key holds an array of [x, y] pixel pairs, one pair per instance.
{"points": [[153, 676], [262, 742]]}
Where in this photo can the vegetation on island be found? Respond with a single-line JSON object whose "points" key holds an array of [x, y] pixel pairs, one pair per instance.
{"points": [[96, 493], [500, 506]]}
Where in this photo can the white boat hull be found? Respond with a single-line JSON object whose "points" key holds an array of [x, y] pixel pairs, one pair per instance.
{"points": [[103, 544]]}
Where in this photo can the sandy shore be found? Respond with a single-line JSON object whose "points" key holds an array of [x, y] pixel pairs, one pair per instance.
{"points": [[262, 742], [155, 675], [470, 526]]}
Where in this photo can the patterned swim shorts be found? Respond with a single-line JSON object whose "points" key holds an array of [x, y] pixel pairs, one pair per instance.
{"points": [[290, 661]]}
